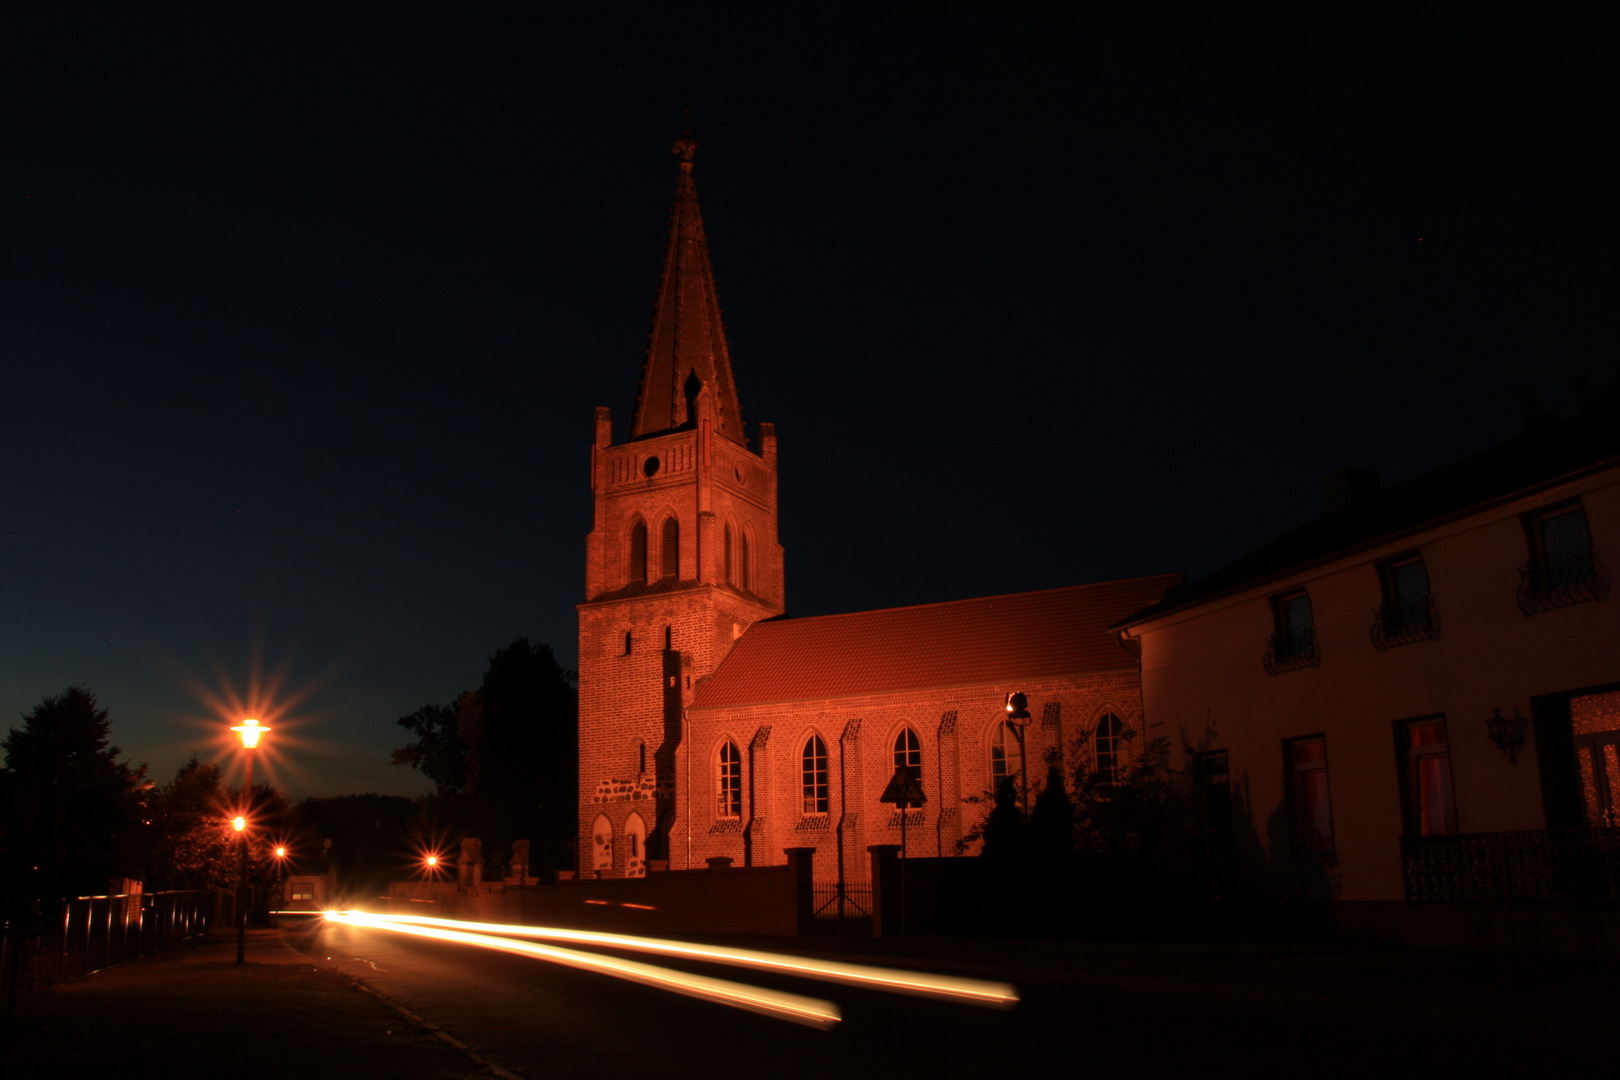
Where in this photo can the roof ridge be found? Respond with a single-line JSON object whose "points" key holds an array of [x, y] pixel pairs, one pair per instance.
{"points": [[800, 619]]}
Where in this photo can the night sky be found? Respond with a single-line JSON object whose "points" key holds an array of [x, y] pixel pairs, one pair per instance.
{"points": [[302, 318]]}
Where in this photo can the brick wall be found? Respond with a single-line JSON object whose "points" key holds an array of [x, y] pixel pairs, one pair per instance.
{"points": [[644, 646], [954, 728]]}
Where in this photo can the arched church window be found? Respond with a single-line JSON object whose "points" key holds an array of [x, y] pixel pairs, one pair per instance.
{"points": [[908, 753], [730, 786], [814, 772], [638, 553], [627, 642], [1107, 746], [727, 563], [745, 568], [669, 549], [1006, 752]]}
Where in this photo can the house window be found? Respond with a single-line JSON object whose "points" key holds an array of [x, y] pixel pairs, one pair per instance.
{"points": [[1215, 799], [1407, 613], [1564, 567], [814, 773], [1006, 752], [1427, 803], [638, 553], [302, 891], [730, 786], [1294, 643], [1309, 810], [908, 754], [669, 549], [1107, 748]]}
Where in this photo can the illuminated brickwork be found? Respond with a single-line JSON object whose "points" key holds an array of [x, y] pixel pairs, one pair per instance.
{"points": [[683, 555], [695, 714]]}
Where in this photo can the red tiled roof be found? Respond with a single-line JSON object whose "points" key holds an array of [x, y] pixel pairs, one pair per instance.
{"points": [[992, 639]]}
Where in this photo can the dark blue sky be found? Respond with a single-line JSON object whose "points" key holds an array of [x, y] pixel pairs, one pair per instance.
{"points": [[302, 319]]}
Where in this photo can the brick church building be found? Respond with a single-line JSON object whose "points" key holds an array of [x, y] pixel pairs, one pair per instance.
{"points": [[713, 726]]}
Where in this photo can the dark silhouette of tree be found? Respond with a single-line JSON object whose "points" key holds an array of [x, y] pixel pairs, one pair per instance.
{"points": [[1051, 823], [189, 842], [504, 760], [439, 752], [69, 807], [1005, 835]]}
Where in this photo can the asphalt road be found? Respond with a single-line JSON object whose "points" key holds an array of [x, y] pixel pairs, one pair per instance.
{"points": [[1097, 1011]]}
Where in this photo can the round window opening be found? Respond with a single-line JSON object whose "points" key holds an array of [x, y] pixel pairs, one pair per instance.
{"points": [[650, 466]]}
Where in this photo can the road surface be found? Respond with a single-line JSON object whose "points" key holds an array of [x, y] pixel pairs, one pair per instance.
{"points": [[1090, 1010]]}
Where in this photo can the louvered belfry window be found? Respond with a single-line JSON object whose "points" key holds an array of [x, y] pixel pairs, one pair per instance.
{"points": [[669, 549], [638, 553]]}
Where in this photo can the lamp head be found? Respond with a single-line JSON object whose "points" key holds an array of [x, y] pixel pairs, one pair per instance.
{"points": [[239, 823], [250, 730]]}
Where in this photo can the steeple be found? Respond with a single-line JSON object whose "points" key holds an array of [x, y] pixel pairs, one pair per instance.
{"points": [[686, 351]]}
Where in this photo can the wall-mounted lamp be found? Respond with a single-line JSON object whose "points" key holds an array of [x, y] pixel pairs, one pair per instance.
{"points": [[1017, 708], [1507, 733]]}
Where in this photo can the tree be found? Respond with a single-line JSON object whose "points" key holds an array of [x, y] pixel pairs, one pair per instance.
{"points": [[189, 841], [70, 807], [504, 759]]}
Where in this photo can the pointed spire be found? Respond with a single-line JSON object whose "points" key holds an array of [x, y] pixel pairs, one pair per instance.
{"points": [[686, 350]]}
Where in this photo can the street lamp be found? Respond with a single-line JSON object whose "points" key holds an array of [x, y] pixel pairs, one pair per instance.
{"points": [[1018, 716], [250, 730]]}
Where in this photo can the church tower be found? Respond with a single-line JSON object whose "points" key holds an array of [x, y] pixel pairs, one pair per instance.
{"points": [[682, 557]]}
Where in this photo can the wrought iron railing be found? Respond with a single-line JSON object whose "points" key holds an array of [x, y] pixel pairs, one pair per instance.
{"points": [[1561, 866], [1289, 650], [1555, 581], [1403, 622], [96, 932], [846, 903]]}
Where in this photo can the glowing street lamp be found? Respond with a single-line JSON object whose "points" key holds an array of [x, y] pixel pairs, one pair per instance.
{"points": [[250, 730]]}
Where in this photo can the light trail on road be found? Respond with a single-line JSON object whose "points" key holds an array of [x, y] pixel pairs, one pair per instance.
{"points": [[923, 984], [812, 1012]]}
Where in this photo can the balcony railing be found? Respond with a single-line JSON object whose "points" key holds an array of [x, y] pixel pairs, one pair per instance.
{"points": [[1562, 866], [1555, 581], [1403, 622], [1289, 650]]}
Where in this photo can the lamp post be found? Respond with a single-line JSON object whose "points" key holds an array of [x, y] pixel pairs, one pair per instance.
{"points": [[250, 730], [1018, 716]]}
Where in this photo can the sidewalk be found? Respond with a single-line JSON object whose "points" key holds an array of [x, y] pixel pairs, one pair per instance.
{"points": [[191, 1012]]}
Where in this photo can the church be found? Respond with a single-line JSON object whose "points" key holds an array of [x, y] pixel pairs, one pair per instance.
{"points": [[714, 730]]}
